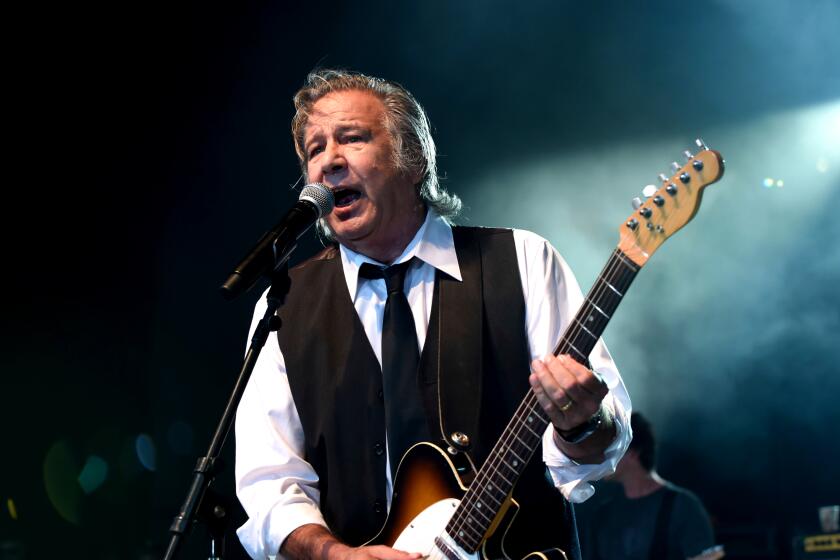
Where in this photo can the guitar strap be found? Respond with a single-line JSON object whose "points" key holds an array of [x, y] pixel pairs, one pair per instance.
{"points": [[659, 544], [476, 371], [460, 310]]}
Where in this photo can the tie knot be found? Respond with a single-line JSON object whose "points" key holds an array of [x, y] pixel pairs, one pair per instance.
{"points": [[394, 275]]}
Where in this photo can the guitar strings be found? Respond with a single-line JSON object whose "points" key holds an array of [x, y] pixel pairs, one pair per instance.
{"points": [[530, 401], [529, 405], [495, 462]]}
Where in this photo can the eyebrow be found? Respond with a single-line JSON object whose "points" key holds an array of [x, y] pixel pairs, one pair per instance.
{"points": [[342, 128]]}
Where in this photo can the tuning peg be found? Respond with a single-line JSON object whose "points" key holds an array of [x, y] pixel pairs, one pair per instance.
{"points": [[688, 155], [675, 166], [700, 144], [636, 202], [663, 177], [650, 190]]}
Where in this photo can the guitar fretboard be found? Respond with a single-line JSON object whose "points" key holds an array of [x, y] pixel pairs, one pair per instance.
{"points": [[521, 438]]}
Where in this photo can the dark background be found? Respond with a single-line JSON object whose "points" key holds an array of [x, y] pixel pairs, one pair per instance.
{"points": [[149, 148]]}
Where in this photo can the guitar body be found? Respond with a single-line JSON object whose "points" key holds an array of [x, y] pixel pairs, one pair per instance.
{"points": [[429, 486]]}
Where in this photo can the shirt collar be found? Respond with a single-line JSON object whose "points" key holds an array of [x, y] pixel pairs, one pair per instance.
{"points": [[432, 244]]}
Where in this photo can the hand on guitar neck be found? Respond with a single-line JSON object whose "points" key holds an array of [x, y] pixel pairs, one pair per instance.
{"points": [[571, 395], [317, 543]]}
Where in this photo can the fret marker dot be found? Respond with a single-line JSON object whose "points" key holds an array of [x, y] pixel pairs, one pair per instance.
{"points": [[590, 318], [478, 505], [515, 463], [531, 419], [460, 533], [470, 519]]}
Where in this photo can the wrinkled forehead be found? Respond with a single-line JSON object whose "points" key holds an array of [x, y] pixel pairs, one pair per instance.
{"points": [[342, 109]]}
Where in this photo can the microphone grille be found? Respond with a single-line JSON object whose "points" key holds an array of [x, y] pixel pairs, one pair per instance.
{"points": [[320, 195]]}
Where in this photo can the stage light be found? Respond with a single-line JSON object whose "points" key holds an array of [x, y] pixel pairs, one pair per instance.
{"points": [[145, 448], [822, 165], [93, 474], [10, 504], [60, 482]]}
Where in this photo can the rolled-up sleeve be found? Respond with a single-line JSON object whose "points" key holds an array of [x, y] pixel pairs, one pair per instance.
{"points": [[552, 298], [276, 486]]}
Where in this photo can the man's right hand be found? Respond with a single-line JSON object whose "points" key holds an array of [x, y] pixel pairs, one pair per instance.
{"points": [[315, 542]]}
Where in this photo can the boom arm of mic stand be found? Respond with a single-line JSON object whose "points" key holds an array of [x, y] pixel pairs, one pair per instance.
{"points": [[205, 468]]}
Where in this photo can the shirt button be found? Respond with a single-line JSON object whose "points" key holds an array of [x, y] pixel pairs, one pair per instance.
{"points": [[378, 506], [379, 449]]}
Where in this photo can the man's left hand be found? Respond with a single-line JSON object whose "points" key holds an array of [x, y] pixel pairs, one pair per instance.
{"points": [[568, 392]]}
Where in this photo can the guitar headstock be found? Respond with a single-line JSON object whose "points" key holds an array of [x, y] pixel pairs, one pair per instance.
{"points": [[670, 206]]}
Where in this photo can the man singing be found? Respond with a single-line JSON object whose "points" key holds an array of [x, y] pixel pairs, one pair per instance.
{"points": [[362, 368]]}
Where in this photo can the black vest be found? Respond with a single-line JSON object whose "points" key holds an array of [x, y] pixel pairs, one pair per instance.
{"points": [[476, 349]]}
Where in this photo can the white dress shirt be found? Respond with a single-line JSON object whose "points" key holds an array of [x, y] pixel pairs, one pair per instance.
{"points": [[279, 489]]}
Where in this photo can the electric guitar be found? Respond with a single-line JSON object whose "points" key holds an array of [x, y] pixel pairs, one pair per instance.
{"points": [[433, 510]]}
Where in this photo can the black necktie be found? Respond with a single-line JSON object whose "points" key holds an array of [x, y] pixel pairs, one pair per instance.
{"points": [[405, 419]]}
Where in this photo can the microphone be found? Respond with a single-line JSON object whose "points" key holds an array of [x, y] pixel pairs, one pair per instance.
{"points": [[274, 248]]}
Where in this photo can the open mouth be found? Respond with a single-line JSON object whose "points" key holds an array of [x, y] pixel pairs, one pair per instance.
{"points": [[345, 197]]}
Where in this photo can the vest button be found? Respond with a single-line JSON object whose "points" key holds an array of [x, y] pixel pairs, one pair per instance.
{"points": [[379, 449], [378, 506]]}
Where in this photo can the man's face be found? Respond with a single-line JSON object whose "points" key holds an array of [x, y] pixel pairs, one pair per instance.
{"points": [[349, 149]]}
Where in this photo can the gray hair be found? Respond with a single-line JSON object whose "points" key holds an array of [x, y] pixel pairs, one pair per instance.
{"points": [[405, 120]]}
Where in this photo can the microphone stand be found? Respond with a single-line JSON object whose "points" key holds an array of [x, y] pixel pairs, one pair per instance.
{"points": [[202, 503]]}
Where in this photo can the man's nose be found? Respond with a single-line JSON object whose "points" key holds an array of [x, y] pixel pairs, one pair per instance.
{"points": [[333, 160]]}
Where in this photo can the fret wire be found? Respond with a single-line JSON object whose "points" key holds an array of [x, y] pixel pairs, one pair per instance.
{"points": [[479, 510], [478, 506], [579, 353], [587, 331], [584, 342], [492, 497], [508, 482], [528, 447], [532, 431], [599, 310], [475, 536], [610, 286], [617, 269], [518, 458], [626, 261]]}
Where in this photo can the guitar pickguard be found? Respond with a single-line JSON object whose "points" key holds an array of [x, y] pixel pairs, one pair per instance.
{"points": [[422, 533]]}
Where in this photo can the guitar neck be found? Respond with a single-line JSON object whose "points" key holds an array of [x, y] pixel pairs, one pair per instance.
{"points": [[666, 210], [598, 307], [495, 480]]}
